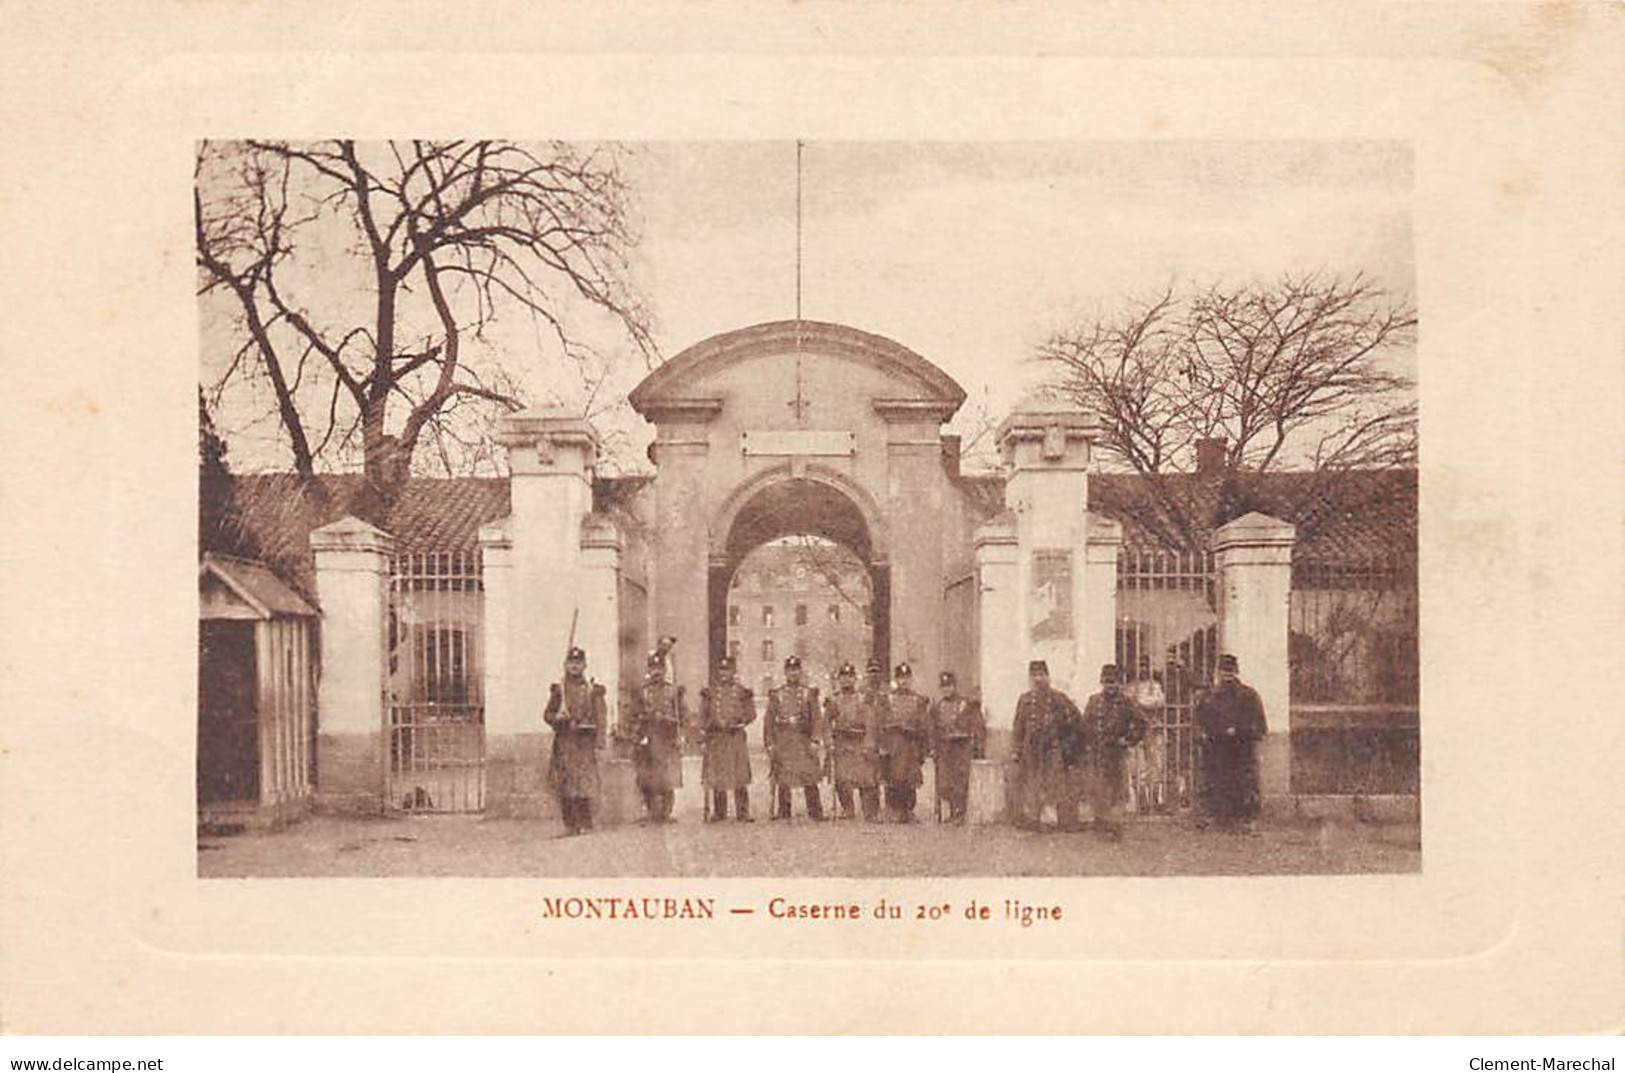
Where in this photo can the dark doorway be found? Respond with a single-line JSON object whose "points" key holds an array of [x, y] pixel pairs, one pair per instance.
{"points": [[228, 753]]}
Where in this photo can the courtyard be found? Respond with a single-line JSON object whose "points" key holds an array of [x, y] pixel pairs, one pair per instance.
{"points": [[469, 846]]}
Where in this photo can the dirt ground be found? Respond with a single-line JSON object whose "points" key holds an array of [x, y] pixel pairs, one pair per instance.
{"points": [[471, 846]]}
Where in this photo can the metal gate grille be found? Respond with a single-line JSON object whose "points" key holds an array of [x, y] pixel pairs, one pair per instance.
{"points": [[434, 696], [1167, 647]]}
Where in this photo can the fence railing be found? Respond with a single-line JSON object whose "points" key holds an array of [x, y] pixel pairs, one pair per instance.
{"points": [[1353, 632], [435, 689]]}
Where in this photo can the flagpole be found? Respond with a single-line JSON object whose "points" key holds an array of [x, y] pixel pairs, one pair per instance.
{"points": [[800, 406]]}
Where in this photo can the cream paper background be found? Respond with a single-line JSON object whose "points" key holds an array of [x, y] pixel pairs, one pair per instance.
{"points": [[1514, 924]]}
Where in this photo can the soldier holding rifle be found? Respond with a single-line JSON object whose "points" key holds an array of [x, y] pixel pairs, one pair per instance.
{"points": [[577, 712], [726, 709], [792, 735], [654, 726], [852, 721], [904, 738], [958, 734]]}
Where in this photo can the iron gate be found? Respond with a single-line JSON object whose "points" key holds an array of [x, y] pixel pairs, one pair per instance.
{"points": [[434, 694], [1167, 647]]}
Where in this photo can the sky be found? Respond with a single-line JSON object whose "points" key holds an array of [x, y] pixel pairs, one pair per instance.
{"points": [[970, 254]]}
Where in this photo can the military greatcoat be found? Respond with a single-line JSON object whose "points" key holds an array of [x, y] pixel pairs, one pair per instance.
{"points": [[1112, 724], [1231, 719], [957, 733], [725, 712], [1046, 744], [904, 738], [853, 723], [793, 723], [655, 727], [577, 712]]}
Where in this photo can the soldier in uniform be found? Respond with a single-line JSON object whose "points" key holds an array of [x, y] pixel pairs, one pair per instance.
{"points": [[851, 720], [958, 734], [1112, 724], [905, 733], [792, 734], [654, 726], [1045, 753], [1230, 718], [577, 712], [726, 709]]}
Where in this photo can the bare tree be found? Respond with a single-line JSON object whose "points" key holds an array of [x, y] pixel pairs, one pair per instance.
{"points": [[1295, 373], [365, 277]]}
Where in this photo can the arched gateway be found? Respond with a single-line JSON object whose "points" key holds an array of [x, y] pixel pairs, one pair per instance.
{"points": [[807, 428], [793, 427]]}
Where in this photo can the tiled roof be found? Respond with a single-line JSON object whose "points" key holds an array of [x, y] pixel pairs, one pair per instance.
{"points": [[258, 586], [1347, 516], [440, 514], [1340, 517]]}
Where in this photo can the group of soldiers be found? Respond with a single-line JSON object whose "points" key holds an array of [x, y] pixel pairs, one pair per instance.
{"points": [[872, 743]]}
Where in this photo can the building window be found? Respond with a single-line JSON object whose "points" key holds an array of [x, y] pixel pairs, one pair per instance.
{"points": [[733, 615], [835, 612], [801, 614], [441, 669], [733, 651], [767, 650], [767, 615]]}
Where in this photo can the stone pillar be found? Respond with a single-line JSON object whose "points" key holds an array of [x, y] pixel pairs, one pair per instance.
{"points": [[600, 635], [352, 578], [915, 487], [1103, 538], [551, 455], [599, 631], [1046, 448], [1253, 555], [1001, 657], [679, 584], [502, 706]]}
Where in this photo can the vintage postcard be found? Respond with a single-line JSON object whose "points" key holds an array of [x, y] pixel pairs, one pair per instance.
{"points": [[696, 510]]}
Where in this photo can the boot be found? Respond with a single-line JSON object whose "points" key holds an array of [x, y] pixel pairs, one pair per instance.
{"points": [[742, 805], [815, 802]]}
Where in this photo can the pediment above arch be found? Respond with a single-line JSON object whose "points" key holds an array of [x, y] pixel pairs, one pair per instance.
{"points": [[902, 384]]}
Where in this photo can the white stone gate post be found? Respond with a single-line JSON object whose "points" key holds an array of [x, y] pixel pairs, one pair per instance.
{"points": [[352, 579], [540, 588], [1102, 541], [1253, 555]]}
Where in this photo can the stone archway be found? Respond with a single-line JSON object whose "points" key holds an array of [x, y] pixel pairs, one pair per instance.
{"points": [[804, 427], [782, 502]]}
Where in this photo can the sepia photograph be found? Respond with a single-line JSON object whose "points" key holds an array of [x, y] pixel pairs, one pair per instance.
{"points": [[886, 520], [806, 508]]}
